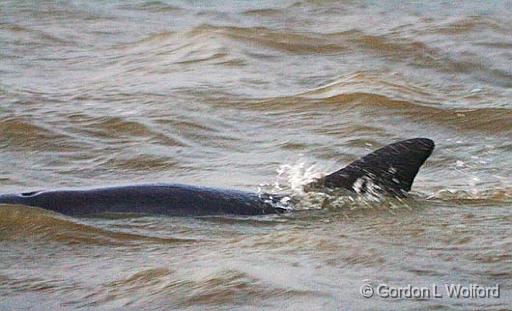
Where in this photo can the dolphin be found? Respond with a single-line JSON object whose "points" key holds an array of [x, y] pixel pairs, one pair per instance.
{"points": [[390, 170]]}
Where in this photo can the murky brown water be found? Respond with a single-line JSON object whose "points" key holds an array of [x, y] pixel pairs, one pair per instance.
{"points": [[228, 95]]}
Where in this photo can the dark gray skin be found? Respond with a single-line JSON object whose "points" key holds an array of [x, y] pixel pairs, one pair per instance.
{"points": [[392, 169], [152, 199]]}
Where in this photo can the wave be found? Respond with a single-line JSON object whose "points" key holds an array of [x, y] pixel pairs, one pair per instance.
{"points": [[37, 38], [152, 6], [297, 43], [225, 288], [494, 121], [241, 46], [470, 24], [28, 134], [491, 121], [263, 12], [73, 132], [19, 223], [483, 196], [195, 47], [225, 45]]}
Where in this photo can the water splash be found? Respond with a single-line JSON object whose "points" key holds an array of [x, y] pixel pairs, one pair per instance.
{"points": [[292, 178]]}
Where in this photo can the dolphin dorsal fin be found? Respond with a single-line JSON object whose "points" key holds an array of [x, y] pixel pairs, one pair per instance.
{"points": [[392, 168]]}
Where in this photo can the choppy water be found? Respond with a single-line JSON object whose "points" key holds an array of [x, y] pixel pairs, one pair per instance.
{"points": [[246, 95]]}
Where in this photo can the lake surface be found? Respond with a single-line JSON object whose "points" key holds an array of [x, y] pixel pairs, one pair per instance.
{"points": [[258, 96]]}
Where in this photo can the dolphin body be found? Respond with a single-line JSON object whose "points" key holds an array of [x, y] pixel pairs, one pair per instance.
{"points": [[389, 170]]}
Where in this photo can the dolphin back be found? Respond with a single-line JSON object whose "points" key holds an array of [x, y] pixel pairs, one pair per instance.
{"points": [[159, 199]]}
